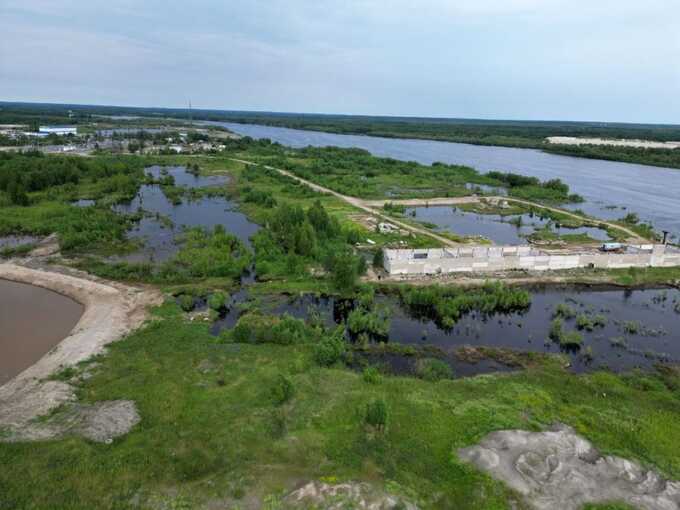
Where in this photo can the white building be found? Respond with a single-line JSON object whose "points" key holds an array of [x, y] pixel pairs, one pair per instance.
{"points": [[58, 130]]}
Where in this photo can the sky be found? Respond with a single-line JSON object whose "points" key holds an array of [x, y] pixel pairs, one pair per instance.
{"points": [[602, 60]]}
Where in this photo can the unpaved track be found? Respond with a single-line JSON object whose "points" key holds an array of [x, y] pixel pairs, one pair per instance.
{"points": [[358, 203], [415, 202], [111, 311], [370, 206]]}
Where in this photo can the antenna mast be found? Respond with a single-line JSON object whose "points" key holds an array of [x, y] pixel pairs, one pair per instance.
{"points": [[191, 121]]}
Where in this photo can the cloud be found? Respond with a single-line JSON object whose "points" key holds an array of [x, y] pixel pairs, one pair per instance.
{"points": [[492, 58]]}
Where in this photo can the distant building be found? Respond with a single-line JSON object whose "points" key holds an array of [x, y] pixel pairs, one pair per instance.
{"points": [[58, 130]]}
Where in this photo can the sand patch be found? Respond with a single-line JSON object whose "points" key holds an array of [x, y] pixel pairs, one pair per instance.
{"points": [[112, 310], [558, 469]]}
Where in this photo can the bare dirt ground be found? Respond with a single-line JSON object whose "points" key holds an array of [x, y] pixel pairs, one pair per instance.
{"points": [[558, 469], [112, 310], [644, 144]]}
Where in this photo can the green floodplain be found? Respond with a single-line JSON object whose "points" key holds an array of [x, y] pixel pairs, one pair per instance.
{"points": [[240, 418]]}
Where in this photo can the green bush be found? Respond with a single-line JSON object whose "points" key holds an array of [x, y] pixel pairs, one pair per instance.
{"points": [[330, 349], [556, 329], [260, 329], [186, 302], [372, 375], [432, 369], [584, 321], [217, 301], [564, 311], [373, 323], [282, 390], [376, 414], [447, 304], [572, 340]]}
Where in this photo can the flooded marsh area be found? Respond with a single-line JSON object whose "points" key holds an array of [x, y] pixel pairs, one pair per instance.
{"points": [[619, 329], [163, 220], [504, 230]]}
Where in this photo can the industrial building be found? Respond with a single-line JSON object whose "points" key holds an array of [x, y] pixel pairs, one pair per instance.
{"points": [[58, 130], [474, 259]]}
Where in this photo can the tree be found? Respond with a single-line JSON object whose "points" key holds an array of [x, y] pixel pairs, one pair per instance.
{"points": [[17, 193], [344, 268]]}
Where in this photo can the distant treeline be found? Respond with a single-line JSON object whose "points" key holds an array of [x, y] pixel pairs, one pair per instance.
{"points": [[491, 132]]}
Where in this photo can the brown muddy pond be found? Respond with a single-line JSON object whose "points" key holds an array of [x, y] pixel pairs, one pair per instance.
{"points": [[32, 321]]}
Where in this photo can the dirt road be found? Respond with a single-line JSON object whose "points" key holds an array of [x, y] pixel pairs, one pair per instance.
{"points": [[372, 207], [359, 204]]}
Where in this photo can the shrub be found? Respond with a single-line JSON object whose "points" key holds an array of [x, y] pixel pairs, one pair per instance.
{"points": [[282, 390], [330, 349], [376, 323], [379, 259], [372, 375], [376, 414], [260, 329], [186, 302], [600, 320], [572, 340], [217, 301], [631, 327], [583, 321], [564, 311], [556, 329], [432, 369]]}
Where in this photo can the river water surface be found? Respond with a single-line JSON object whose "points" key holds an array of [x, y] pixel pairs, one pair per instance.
{"points": [[652, 192], [32, 321]]}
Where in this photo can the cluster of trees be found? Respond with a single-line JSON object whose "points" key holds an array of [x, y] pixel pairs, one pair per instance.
{"points": [[531, 188], [296, 237], [356, 172], [23, 173], [446, 305], [366, 321], [210, 254]]}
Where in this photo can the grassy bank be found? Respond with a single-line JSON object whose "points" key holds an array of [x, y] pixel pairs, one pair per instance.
{"points": [[213, 428]]}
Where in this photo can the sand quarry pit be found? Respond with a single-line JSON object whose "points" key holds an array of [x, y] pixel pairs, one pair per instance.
{"points": [[558, 469], [111, 310]]}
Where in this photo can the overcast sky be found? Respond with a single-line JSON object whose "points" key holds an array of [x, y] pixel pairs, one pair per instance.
{"points": [[609, 60]]}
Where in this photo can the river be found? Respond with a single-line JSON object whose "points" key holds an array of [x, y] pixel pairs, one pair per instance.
{"points": [[652, 192]]}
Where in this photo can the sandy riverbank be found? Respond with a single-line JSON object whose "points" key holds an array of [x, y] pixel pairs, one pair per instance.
{"points": [[643, 144], [111, 311]]}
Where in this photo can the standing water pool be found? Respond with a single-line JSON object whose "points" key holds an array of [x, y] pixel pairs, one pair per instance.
{"points": [[32, 321]]}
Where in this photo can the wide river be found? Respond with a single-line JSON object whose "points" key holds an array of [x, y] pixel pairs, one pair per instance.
{"points": [[652, 192]]}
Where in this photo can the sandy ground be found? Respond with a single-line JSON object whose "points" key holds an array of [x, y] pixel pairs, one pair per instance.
{"points": [[644, 144], [111, 311], [558, 469]]}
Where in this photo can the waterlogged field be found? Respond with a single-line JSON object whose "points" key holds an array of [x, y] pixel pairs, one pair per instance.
{"points": [[217, 431], [512, 229], [271, 364]]}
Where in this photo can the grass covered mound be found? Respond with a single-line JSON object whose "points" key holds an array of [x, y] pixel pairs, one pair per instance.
{"points": [[229, 421]]}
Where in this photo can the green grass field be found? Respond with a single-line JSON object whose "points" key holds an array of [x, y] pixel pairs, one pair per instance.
{"points": [[211, 431]]}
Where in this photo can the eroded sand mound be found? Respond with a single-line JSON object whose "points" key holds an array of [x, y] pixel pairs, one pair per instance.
{"points": [[111, 311], [560, 470], [344, 495]]}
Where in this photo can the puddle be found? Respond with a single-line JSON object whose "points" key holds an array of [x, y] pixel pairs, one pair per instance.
{"points": [[14, 241], [32, 321], [84, 202], [505, 230], [164, 221]]}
